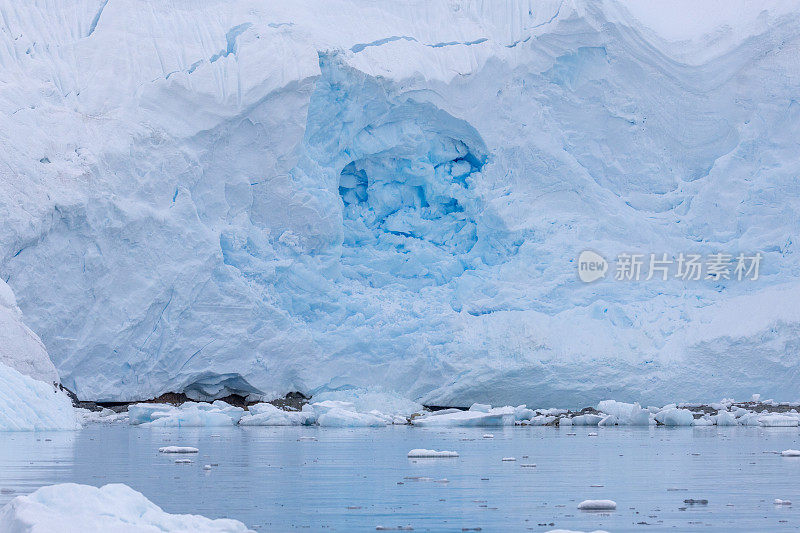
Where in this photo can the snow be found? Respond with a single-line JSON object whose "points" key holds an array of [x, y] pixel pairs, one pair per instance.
{"points": [[178, 449], [421, 452], [597, 505], [232, 199], [27, 404], [73, 508]]}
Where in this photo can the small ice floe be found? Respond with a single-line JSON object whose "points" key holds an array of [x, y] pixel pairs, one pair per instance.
{"points": [[310, 439], [396, 528], [206, 467], [421, 452], [692, 501], [528, 465], [592, 435], [477, 416], [178, 449], [183, 461], [790, 453], [777, 421], [509, 458], [488, 436], [443, 480], [778, 501], [597, 505]]}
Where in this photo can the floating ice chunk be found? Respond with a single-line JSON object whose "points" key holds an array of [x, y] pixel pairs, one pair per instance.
{"points": [[749, 419], [627, 414], [266, 414], [592, 435], [27, 404], [705, 420], [586, 420], [597, 505], [724, 418], [115, 507], [778, 501], [190, 417], [206, 467], [422, 452], [521, 412], [777, 421], [543, 420], [142, 413], [488, 436], [790, 453], [565, 421], [499, 416], [609, 420], [480, 407], [178, 449], [320, 408], [509, 459], [673, 416], [183, 461], [337, 417], [373, 399]]}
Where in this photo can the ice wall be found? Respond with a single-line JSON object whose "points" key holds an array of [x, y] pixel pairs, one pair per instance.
{"points": [[241, 199]]}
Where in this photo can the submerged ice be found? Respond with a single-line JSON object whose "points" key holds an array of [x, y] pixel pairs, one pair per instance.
{"points": [[288, 200]]}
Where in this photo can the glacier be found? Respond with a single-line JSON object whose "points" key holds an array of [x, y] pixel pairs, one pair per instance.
{"points": [[233, 198]]}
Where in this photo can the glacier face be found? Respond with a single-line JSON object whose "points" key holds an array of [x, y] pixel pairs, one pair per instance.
{"points": [[223, 198]]}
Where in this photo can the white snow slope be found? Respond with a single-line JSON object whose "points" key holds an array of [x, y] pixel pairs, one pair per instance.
{"points": [[244, 197]]}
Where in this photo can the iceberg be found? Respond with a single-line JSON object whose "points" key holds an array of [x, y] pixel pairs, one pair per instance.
{"points": [[626, 414], [672, 416], [29, 398], [70, 507], [238, 200], [491, 417], [27, 404]]}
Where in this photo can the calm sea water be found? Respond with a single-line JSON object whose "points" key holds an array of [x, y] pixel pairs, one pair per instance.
{"points": [[357, 479]]}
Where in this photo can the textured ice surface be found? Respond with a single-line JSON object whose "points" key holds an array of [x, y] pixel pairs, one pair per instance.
{"points": [[339, 194], [21, 348], [28, 398], [73, 508], [28, 404]]}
